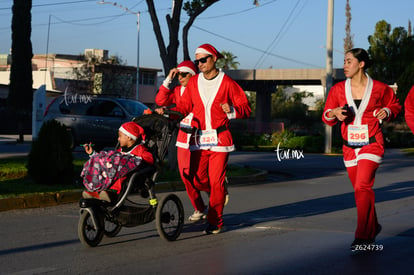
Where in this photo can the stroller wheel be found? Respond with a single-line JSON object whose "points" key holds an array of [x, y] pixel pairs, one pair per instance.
{"points": [[111, 228], [169, 217], [88, 235]]}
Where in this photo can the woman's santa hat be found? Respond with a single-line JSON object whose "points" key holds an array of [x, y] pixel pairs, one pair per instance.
{"points": [[208, 49], [187, 67], [132, 130]]}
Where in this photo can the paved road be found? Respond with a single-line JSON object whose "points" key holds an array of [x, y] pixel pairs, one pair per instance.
{"points": [[300, 221]]}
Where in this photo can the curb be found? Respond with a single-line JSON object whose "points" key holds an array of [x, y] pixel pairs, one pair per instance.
{"points": [[54, 199]]}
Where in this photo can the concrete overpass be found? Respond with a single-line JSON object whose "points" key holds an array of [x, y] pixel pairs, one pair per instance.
{"points": [[265, 81]]}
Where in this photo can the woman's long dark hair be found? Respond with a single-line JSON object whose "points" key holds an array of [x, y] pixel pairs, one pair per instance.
{"points": [[361, 55]]}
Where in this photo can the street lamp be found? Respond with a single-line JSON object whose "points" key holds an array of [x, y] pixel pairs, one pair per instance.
{"points": [[137, 14]]}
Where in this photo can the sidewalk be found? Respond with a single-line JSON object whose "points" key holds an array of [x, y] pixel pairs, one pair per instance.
{"points": [[53, 199], [10, 148]]}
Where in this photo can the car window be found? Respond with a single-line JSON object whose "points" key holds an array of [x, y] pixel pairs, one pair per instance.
{"points": [[104, 108], [76, 108], [135, 108]]}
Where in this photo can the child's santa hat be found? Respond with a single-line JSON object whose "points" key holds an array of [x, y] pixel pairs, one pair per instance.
{"points": [[208, 49], [187, 66], [132, 130]]}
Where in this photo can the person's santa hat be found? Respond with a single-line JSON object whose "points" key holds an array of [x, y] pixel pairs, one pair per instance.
{"points": [[132, 130], [208, 49], [187, 66]]}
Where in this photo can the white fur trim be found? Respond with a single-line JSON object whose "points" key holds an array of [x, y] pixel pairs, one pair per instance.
{"points": [[202, 50], [325, 115], [365, 156], [364, 102], [388, 111], [166, 83], [371, 157], [350, 163], [232, 114], [182, 145], [208, 90], [123, 130], [222, 149], [186, 69]]}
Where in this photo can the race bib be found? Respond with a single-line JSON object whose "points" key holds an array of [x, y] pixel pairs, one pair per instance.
{"points": [[358, 135], [208, 138], [186, 122]]}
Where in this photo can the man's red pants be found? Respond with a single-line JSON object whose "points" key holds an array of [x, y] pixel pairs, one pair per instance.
{"points": [[183, 158], [208, 171]]}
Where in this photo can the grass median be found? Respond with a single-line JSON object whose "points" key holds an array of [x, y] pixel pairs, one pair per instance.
{"points": [[14, 181]]}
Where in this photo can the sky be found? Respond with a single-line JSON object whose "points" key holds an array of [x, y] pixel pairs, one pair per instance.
{"points": [[275, 34]]}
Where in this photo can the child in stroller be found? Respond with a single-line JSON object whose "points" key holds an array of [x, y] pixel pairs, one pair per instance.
{"points": [[99, 218], [132, 153]]}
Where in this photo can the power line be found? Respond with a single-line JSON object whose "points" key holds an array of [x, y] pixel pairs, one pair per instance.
{"points": [[273, 43], [55, 4], [113, 17], [256, 49], [236, 12], [75, 21]]}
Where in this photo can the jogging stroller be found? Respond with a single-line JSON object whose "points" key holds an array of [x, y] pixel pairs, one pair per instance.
{"points": [[137, 203]]}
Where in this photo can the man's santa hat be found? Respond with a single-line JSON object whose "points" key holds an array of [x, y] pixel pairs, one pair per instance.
{"points": [[208, 49], [187, 66], [132, 130]]}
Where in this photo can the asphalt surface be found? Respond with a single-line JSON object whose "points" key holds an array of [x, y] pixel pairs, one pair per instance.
{"points": [[299, 219]]}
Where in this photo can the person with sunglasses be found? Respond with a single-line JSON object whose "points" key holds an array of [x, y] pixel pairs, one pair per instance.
{"points": [[211, 99], [166, 97]]}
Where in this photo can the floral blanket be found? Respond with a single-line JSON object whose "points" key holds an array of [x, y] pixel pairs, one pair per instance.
{"points": [[104, 168]]}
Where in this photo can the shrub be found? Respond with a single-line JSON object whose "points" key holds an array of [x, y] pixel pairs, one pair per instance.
{"points": [[50, 158], [295, 143], [309, 144], [314, 144], [282, 137]]}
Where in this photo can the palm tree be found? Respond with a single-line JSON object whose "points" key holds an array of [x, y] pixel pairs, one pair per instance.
{"points": [[228, 62]]}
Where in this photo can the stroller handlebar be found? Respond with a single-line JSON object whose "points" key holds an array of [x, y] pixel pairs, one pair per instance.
{"points": [[172, 112]]}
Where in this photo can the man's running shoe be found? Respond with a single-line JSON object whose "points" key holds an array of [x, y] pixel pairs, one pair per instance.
{"points": [[213, 229], [196, 216]]}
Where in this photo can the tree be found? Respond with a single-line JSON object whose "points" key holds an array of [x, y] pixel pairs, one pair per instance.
{"points": [[168, 53], [406, 79], [348, 43], [193, 9], [98, 76], [291, 107], [390, 51], [228, 62], [21, 80], [405, 82]]}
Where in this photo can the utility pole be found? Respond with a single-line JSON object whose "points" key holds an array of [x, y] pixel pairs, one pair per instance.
{"points": [[329, 70], [137, 14]]}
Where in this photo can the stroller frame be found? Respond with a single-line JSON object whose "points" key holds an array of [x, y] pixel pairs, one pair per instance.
{"points": [[99, 218]]}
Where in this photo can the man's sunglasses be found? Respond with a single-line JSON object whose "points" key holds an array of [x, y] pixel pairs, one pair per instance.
{"points": [[202, 60], [182, 74]]}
